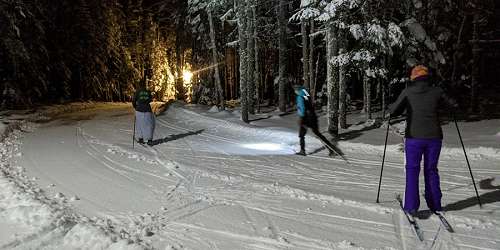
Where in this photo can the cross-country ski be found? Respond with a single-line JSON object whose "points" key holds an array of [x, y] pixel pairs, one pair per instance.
{"points": [[445, 222], [411, 220]]}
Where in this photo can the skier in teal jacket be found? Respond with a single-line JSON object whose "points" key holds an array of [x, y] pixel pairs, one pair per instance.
{"points": [[309, 119]]}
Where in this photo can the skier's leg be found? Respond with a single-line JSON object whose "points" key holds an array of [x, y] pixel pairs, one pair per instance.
{"points": [[431, 173], [153, 122], [414, 150], [139, 120], [302, 134], [149, 127]]}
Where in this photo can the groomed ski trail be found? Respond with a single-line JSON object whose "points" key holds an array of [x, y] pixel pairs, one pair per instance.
{"points": [[209, 190]]}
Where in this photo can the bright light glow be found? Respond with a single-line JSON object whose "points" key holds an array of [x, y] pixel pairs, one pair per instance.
{"points": [[264, 146], [187, 75]]}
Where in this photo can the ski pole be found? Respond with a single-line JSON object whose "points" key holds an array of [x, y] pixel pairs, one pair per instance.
{"points": [[383, 159], [133, 135], [467, 160]]}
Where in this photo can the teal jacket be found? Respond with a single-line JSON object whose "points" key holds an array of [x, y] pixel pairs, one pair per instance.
{"points": [[302, 97]]}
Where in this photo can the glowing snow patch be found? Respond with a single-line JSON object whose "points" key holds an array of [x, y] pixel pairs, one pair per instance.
{"points": [[264, 146]]}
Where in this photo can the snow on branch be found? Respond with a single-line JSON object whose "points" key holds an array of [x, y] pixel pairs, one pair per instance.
{"points": [[318, 33], [376, 34], [376, 72], [396, 36], [353, 57], [232, 44], [228, 14], [305, 14], [357, 31], [332, 8]]}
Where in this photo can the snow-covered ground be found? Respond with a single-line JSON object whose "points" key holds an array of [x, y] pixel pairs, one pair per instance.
{"points": [[212, 182]]}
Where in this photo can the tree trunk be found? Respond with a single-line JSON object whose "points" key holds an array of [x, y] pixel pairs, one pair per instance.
{"points": [[179, 54], [311, 60], [384, 108], [242, 27], [305, 54], [282, 54], [314, 83], [342, 87], [368, 102], [251, 58], [342, 97], [220, 93], [256, 45], [332, 81]]}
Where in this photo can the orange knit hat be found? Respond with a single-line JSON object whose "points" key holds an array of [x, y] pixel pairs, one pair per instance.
{"points": [[419, 71]]}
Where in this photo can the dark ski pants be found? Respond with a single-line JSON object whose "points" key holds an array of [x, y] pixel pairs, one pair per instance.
{"points": [[315, 130], [430, 150]]}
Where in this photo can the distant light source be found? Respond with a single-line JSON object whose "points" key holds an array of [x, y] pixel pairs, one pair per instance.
{"points": [[187, 75], [264, 146]]}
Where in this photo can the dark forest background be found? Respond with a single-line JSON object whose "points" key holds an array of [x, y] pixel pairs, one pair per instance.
{"points": [[60, 51]]}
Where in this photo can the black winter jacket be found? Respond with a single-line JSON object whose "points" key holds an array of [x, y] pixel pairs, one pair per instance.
{"points": [[421, 103], [141, 100]]}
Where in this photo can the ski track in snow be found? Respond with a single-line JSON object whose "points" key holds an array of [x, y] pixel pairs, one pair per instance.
{"points": [[208, 190]]}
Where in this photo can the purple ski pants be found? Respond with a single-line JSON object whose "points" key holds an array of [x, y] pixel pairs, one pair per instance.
{"points": [[415, 149]]}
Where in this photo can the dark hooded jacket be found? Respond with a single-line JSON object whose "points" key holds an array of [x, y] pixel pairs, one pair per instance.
{"points": [[422, 102], [141, 100]]}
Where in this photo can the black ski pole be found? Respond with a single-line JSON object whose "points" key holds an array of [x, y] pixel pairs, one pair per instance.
{"points": [[383, 159], [133, 135], [467, 160]]}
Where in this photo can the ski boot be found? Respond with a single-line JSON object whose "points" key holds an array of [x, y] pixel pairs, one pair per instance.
{"points": [[301, 152]]}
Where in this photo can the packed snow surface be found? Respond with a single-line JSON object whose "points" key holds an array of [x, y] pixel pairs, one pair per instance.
{"points": [[213, 182]]}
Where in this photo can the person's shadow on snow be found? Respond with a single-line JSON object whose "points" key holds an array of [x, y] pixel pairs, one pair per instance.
{"points": [[490, 197], [176, 137]]}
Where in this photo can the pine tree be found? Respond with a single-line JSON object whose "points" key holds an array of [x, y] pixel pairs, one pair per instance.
{"points": [[251, 57], [332, 81], [242, 38], [305, 54], [282, 29], [215, 60]]}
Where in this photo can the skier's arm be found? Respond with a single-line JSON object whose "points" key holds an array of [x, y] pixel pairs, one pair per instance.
{"points": [[399, 106], [301, 109]]}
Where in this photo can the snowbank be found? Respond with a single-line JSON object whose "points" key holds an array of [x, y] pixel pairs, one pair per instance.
{"points": [[159, 107], [48, 225], [367, 124], [213, 109], [29, 219]]}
